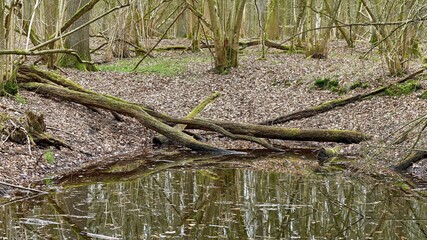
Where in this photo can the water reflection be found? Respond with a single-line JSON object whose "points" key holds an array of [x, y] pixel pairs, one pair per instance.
{"points": [[220, 203]]}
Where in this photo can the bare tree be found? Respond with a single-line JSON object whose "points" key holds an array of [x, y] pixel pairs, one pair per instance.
{"points": [[78, 41], [226, 22]]}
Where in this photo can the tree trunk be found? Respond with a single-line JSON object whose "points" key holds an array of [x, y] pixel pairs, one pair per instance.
{"points": [[234, 36], [219, 40], [79, 40], [50, 18], [226, 33]]}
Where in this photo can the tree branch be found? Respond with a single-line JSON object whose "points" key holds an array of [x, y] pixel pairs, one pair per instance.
{"points": [[77, 29]]}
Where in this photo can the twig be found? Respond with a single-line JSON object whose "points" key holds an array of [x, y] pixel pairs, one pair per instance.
{"points": [[22, 199], [22, 188]]}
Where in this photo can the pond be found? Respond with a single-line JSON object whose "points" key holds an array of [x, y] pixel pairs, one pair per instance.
{"points": [[218, 202]]}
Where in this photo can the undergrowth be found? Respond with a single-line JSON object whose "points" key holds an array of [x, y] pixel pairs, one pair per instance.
{"points": [[404, 88], [334, 85], [164, 66]]}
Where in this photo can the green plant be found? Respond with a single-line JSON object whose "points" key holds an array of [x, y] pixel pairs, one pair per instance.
{"points": [[49, 157], [359, 84], [424, 95], [326, 83], [48, 181], [404, 88], [10, 87], [20, 99]]}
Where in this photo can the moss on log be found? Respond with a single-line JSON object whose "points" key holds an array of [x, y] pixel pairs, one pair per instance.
{"points": [[96, 100], [160, 140], [284, 133]]}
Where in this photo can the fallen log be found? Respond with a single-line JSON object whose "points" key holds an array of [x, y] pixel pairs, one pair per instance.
{"points": [[269, 44], [327, 106], [242, 45], [126, 109], [412, 158], [282, 133], [53, 85], [161, 140]]}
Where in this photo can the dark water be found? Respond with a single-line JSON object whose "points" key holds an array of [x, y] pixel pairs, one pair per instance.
{"points": [[220, 203]]}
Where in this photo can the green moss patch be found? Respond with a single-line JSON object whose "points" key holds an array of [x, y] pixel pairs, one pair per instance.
{"points": [[404, 88], [333, 85]]}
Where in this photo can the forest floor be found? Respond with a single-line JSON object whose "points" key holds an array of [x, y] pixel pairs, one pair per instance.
{"points": [[176, 81]]}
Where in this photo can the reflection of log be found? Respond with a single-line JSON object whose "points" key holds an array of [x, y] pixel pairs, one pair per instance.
{"points": [[56, 86], [129, 167], [323, 155], [412, 158], [327, 106], [143, 167]]}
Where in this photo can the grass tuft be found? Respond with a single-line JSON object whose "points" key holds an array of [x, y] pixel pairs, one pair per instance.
{"points": [[164, 66], [326, 83], [49, 157]]}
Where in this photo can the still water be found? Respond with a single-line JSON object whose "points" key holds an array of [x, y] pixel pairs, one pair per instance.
{"points": [[219, 203]]}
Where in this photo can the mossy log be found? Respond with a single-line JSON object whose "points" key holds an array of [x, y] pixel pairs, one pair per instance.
{"points": [[282, 133], [412, 158], [323, 155], [53, 85], [99, 101], [161, 140], [329, 105]]}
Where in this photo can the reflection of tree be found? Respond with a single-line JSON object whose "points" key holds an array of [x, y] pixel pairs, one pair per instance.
{"points": [[67, 221], [167, 199]]}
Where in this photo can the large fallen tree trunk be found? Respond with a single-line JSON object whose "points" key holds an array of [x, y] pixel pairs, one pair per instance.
{"points": [[99, 101], [283, 133], [327, 106], [53, 85]]}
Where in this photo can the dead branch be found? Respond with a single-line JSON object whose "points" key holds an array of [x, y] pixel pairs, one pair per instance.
{"points": [[327, 106], [412, 158]]}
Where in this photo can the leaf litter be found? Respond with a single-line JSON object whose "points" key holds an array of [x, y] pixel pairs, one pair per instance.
{"points": [[255, 91]]}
